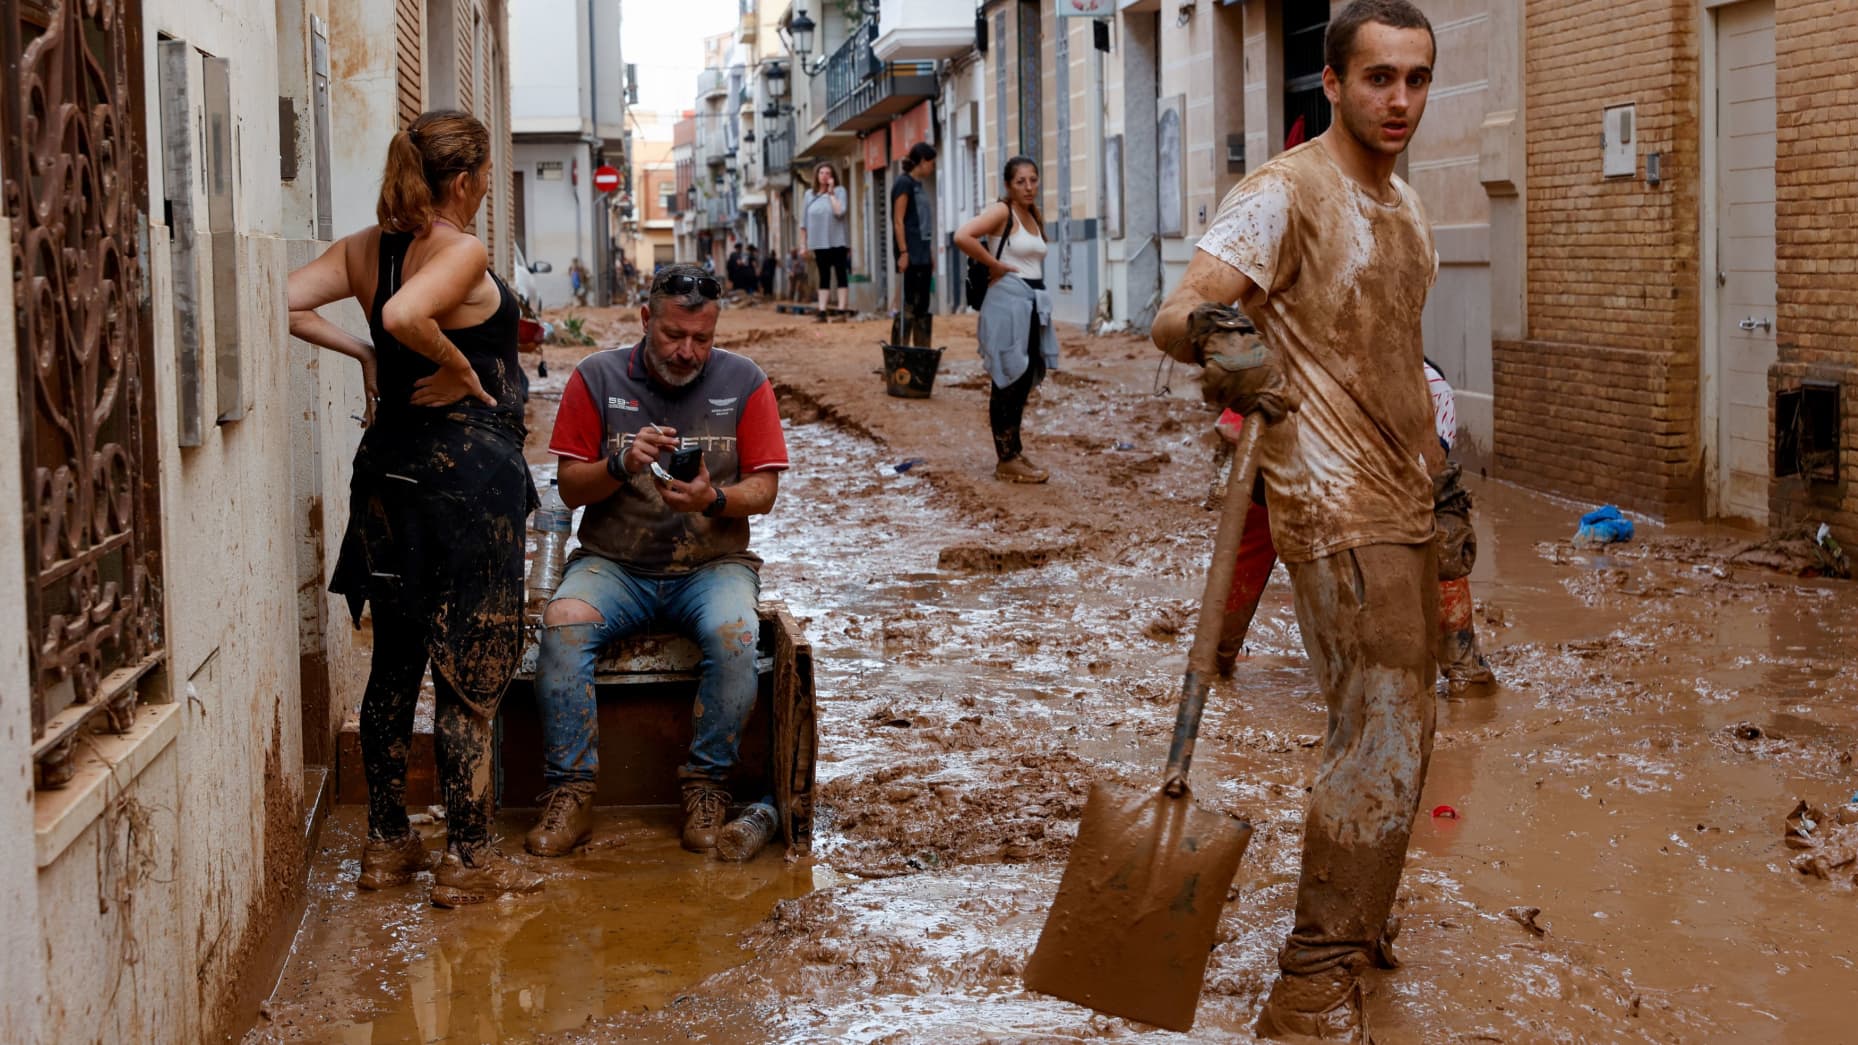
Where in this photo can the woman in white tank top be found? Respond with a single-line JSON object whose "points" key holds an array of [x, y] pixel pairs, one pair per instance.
{"points": [[1016, 339]]}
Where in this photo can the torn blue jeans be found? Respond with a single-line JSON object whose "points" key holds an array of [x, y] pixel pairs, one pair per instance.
{"points": [[715, 606]]}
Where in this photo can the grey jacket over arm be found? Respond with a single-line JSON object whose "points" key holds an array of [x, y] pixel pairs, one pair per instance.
{"points": [[1005, 330]]}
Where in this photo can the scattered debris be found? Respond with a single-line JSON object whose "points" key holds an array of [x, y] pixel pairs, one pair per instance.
{"points": [[1526, 917], [1828, 840]]}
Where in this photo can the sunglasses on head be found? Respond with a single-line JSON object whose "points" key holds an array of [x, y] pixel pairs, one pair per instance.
{"points": [[680, 284]]}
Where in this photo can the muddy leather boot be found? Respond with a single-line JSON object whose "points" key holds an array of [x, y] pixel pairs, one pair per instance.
{"points": [[385, 864], [567, 820], [706, 809], [1020, 470], [489, 875], [1466, 667], [1324, 1006]]}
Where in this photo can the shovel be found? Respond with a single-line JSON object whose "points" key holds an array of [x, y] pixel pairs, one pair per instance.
{"points": [[1132, 927]]}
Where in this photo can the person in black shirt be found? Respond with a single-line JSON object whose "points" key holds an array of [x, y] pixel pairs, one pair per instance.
{"points": [[913, 224]]}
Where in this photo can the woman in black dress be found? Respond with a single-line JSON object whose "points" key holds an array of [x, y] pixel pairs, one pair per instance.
{"points": [[440, 493]]}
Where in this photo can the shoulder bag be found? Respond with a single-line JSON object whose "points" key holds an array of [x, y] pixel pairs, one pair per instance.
{"points": [[979, 277]]}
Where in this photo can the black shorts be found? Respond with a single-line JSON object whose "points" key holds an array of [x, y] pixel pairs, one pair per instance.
{"points": [[834, 259]]}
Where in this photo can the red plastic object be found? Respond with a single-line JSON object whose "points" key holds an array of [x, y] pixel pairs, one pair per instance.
{"points": [[528, 332], [1446, 812]]}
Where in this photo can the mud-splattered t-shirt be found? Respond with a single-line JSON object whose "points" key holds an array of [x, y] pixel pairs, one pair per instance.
{"points": [[1343, 278], [729, 410]]}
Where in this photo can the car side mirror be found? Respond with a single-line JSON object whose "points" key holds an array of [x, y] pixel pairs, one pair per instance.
{"points": [[541, 267]]}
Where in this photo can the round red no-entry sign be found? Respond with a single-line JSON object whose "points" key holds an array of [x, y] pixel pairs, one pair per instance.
{"points": [[606, 179]]}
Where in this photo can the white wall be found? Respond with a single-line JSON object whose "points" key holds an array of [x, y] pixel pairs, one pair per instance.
{"points": [[548, 65], [559, 215]]}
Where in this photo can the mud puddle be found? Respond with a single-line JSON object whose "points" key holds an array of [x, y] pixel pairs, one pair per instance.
{"points": [[1628, 780]]}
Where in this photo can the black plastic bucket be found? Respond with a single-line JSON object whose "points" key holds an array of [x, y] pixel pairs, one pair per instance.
{"points": [[909, 372]]}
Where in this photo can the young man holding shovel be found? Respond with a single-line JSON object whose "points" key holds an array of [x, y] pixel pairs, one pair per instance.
{"points": [[1331, 256]]}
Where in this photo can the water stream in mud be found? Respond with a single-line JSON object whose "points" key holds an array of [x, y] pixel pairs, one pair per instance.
{"points": [[1656, 721]]}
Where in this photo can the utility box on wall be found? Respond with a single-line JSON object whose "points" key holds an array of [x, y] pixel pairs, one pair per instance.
{"points": [[1618, 142]]}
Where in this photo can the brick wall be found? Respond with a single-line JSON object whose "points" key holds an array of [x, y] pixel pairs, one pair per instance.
{"points": [[1599, 402], [1816, 207]]}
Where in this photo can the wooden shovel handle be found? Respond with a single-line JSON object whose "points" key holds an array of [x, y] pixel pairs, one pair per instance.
{"points": [[1201, 659]]}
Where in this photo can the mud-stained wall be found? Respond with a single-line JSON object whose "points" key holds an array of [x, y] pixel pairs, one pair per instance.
{"points": [[326, 395], [361, 95], [1599, 400]]}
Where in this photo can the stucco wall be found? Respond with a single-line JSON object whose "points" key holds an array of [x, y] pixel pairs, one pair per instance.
{"points": [[20, 967], [147, 921]]}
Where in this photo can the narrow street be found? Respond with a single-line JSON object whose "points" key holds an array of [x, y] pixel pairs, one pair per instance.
{"points": [[985, 651]]}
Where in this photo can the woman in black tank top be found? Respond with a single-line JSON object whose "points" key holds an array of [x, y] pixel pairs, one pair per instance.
{"points": [[438, 500]]}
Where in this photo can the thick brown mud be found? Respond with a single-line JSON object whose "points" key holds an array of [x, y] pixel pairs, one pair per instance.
{"points": [[1617, 870]]}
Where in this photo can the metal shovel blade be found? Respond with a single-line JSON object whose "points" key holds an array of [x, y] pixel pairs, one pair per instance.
{"points": [[1133, 924]]}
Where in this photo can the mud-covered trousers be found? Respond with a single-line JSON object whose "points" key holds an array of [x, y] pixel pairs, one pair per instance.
{"points": [[1006, 406], [460, 735], [1368, 616], [715, 605], [916, 319]]}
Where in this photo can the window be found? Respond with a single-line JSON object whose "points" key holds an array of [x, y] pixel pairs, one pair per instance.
{"points": [[667, 197], [1306, 110]]}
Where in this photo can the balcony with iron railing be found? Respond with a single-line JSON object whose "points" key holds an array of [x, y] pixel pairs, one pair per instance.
{"points": [[862, 92], [749, 24], [711, 83], [777, 148]]}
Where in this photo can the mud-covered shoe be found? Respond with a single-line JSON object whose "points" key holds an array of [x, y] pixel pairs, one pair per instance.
{"points": [[1465, 666], [488, 875], [1326, 1006], [391, 862], [567, 820], [706, 809], [1020, 470]]}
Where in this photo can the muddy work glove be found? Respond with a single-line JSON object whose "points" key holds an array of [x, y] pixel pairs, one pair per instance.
{"points": [[1243, 376], [1451, 523]]}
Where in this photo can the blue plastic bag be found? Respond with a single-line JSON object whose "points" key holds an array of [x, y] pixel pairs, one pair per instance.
{"points": [[1603, 525]]}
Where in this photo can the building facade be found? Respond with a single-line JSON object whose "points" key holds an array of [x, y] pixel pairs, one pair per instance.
{"points": [[1685, 335], [174, 670], [653, 237], [568, 119]]}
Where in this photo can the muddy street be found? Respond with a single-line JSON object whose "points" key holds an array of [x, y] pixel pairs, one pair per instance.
{"points": [[1614, 867]]}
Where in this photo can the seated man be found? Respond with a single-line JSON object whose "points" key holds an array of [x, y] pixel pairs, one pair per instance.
{"points": [[658, 552]]}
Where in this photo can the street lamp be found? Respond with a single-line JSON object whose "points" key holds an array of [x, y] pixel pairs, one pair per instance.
{"points": [[800, 29], [776, 75]]}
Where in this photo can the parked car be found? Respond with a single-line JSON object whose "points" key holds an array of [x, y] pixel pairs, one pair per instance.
{"points": [[526, 290]]}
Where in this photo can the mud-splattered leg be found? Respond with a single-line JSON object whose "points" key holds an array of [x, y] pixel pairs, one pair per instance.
{"points": [[596, 603], [716, 606], [1006, 407], [1459, 658], [387, 706], [1368, 618], [462, 737]]}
